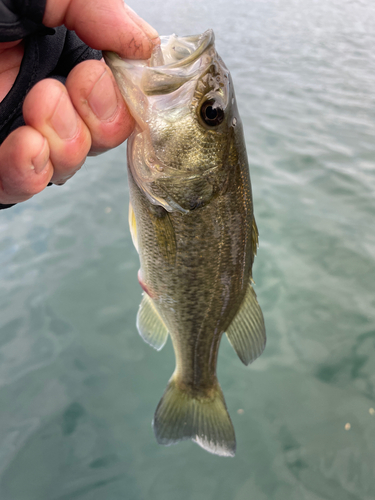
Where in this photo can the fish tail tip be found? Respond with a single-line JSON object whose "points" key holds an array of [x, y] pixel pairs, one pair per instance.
{"points": [[223, 449], [179, 416]]}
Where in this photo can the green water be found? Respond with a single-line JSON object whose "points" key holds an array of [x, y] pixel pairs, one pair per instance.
{"points": [[78, 387]]}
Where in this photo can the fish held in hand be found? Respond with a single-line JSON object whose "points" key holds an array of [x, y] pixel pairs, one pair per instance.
{"points": [[191, 219]]}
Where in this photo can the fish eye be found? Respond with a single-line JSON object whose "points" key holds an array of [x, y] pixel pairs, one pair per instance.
{"points": [[211, 115]]}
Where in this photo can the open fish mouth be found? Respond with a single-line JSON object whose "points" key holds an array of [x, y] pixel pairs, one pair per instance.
{"points": [[179, 52], [172, 63], [173, 52]]}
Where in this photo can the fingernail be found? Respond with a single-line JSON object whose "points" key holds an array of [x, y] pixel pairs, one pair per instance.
{"points": [[40, 161], [102, 98], [149, 31], [64, 119]]}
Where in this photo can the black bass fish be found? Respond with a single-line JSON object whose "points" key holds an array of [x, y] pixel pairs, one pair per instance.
{"points": [[191, 219]]}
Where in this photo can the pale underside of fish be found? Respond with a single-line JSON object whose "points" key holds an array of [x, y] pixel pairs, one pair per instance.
{"points": [[192, 222]]}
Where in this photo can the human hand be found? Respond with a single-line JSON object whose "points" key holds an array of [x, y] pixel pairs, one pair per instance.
{"points": [[87, 116]]}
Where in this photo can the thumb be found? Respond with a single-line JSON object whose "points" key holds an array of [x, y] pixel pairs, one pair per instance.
{"points": [[104, 25]]}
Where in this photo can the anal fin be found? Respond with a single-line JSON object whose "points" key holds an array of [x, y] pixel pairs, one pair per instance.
{"points": [[247, 333], [150, 325]]}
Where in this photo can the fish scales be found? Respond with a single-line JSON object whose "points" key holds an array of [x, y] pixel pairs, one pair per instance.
{"points": [[209, 251], [192, 222]]}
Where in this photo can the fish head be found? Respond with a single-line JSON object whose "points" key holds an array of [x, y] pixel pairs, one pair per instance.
{"points": [[183, 102]]}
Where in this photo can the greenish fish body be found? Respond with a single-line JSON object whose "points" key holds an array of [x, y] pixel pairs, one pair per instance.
{"points": [[192, 222]]}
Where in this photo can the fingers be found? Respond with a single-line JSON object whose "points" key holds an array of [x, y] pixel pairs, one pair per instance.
{"points": [[98, 101], [48, 109], [88, 116], [64, 124], [104, 25], [25, 167]]}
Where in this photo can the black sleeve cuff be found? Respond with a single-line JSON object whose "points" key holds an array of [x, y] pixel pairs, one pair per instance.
{"points": [[19, 18], [6, 206], [29, 9]]}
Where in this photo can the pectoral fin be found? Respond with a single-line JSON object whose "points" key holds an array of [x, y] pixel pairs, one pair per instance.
{"points": [[150, 325], [247, 333], [164, 233]]}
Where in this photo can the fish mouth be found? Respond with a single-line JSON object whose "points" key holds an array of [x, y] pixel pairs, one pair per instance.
{"points": [[178, 52], [172, 63]]}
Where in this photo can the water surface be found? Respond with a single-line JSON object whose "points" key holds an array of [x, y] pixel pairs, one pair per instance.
{"points": [[78, 387]]}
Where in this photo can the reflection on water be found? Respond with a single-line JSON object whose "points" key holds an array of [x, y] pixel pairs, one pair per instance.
{"points": [[78, 387]]}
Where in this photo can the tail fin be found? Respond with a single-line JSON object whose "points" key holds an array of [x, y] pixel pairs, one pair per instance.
{"points": [[205, 420]]}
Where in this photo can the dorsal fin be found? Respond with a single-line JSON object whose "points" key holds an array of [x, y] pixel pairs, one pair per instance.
{"points": [[255, 237]]}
